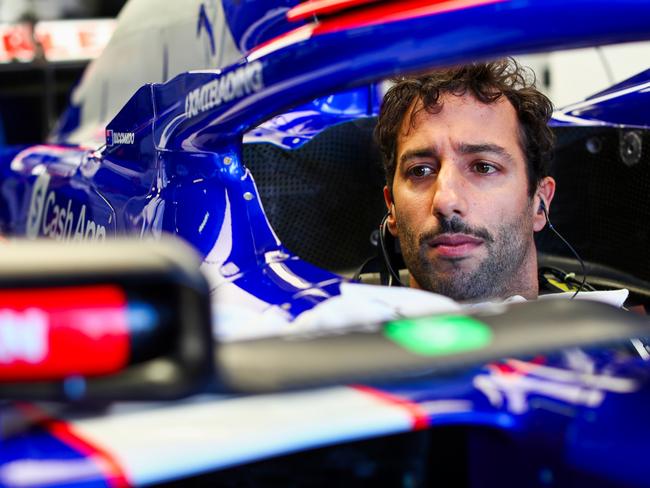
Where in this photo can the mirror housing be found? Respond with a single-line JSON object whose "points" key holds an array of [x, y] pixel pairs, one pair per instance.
{"points": [[125, 320]]}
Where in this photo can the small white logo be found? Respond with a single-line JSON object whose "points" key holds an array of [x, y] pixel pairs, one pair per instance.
{"points": [[113, 138]]}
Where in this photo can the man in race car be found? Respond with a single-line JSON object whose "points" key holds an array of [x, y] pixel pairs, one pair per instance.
{"points": [[466, 153]]}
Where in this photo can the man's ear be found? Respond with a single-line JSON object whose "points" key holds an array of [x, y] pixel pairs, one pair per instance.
{"points": [[545, 192], [390, 205]]}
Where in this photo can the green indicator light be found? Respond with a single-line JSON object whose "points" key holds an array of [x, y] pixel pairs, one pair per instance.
{"points": [[438, 336]]}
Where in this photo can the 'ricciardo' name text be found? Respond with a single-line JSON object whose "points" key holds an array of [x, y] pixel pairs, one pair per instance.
{"points": [[113, 138]]}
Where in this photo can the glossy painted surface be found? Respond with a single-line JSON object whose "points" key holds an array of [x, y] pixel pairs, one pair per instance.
{"points": [[624, 104], [256, 21], [294, 128], [50, 459], [173, 164]]}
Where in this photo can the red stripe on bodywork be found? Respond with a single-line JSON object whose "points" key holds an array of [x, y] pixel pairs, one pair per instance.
{"points": [[507, 368], [308, 29], [64, 432], [420, 417], [322, 7], [394, 12], [375, 15]]}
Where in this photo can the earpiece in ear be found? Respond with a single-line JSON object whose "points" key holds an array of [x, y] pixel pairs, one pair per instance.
{"points": [[542, 207]]}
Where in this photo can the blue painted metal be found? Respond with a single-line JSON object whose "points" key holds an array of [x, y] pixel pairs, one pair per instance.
{"points": [[297, 73], [292, 129], [608, 444], [35, 455], [256, 21], [566, 405], [173, 164], [626, 103]]}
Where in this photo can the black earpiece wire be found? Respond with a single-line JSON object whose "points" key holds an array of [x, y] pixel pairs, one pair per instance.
{"points": [[566, 243]]}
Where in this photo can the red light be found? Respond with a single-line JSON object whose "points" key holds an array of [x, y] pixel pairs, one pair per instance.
{"points": [[53, 333]]}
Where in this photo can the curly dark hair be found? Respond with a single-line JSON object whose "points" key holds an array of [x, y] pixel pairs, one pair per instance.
{"points": [[487, 82]]}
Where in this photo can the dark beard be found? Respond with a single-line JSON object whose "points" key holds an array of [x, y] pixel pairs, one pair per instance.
{"points": [[495, 276]]}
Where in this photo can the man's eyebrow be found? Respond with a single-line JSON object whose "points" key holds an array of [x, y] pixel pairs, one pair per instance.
{"points": [[417, 154], [484, 147]]}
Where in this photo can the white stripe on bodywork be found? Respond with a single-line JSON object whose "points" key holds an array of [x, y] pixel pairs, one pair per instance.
{"points": [[191, 438], [607, 96], [292, 37]]}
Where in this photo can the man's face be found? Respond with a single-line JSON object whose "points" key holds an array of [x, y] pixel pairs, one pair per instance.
{"points": [[461, 205]]}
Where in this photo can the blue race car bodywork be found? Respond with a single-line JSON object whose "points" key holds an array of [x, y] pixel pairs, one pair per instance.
{"points": [[173, 162]]}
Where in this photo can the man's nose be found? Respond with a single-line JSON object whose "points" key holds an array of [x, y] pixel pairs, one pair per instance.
{"points": [[450, 189]]}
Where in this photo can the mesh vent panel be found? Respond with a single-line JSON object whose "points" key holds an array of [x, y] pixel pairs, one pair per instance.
{"points": [[602, 204], [325, 198]]}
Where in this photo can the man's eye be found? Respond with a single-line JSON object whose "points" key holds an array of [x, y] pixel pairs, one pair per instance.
{"points": [[484, 168], [420, 171]]}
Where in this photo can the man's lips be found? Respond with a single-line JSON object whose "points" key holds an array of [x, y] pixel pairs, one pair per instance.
{"points": [[454, 245]]}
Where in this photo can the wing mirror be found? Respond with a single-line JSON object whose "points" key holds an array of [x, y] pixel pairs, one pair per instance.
{"points": [[129, 320]]}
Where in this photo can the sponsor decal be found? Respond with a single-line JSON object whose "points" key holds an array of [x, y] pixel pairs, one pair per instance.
{"points": [[113, 137], [511, 384], [35, 214], [439, 335], [23, 336], [62, 222], [231, 86]]}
